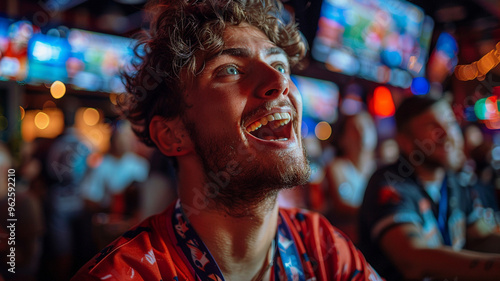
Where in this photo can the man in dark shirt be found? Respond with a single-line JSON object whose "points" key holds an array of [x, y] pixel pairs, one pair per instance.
{"points": [[417, 219]]}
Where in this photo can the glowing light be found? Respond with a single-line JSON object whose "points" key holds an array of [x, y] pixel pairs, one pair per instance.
{"points": [[420, 86], [323, 130], [495, 153], [480, 109], [91, 116], [57, 89], [45, 52], [42, 120], [392, 58], [491, 105], [480, 68], [112, 98], [21, 110], [487, 62], [493, 124], [382, 104]]}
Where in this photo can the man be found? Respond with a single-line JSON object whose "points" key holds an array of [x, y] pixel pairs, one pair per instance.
{"points": [[226, 108], [417, 219]]}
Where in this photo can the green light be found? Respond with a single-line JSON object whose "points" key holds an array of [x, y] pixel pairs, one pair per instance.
{"points": [[480, 109]]}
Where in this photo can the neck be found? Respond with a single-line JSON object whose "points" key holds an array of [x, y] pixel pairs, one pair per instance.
{"points": [[240, 245]]}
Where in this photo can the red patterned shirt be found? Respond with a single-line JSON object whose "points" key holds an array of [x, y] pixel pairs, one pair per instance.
{"points": [[149, 252]]}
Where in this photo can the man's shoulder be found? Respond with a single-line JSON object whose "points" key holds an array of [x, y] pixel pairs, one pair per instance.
{"points": [[134, 252], [399, 176], [309, 223], [330, 252]]}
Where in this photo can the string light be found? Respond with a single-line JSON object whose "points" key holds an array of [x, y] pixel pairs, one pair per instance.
{"points": [[480, 68]]}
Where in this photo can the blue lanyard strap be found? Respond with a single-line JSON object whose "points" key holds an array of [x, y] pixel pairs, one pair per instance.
{"points": [[193, 247], [443, 213], [288, 253], [204, 264]]}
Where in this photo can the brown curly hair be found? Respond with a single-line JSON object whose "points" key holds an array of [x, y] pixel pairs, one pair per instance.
{"points": [[172, 52]]}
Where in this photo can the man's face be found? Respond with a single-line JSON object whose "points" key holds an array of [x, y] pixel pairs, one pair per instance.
{"points": [[244, 115], [436, 133]]}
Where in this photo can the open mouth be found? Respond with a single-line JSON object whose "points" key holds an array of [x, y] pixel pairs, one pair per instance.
{"points": [[272, 127]]}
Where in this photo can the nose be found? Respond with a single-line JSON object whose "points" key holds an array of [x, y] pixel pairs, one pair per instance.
{"points": [[272, 83]]}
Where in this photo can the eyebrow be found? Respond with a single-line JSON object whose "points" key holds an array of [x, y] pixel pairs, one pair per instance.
{"points": [[245, 53]]}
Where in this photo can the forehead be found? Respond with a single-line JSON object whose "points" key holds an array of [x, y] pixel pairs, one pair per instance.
{"points": [[244, 35], [438, 113]]}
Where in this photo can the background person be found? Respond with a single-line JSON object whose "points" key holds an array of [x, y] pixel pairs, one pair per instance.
{"points": [[417, 218], [347, 175]]}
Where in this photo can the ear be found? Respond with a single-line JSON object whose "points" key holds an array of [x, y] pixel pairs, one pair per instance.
{"points": [[170, 136]]}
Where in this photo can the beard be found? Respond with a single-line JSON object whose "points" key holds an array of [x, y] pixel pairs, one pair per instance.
{"points": [[239, 178]]}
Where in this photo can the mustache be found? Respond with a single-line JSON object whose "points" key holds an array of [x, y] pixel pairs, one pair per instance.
{"points": [[268, 106]]}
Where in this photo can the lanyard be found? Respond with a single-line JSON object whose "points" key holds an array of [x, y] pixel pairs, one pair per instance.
{"points": [[289, 255], [204, 265], [443, 213]]}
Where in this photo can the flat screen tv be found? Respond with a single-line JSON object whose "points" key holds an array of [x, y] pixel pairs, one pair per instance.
{"points": [[319, 97], [386, 41]]}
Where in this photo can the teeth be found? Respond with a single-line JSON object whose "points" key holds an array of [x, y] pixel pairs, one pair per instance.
{"points": [[281, 118], [282, 139]]}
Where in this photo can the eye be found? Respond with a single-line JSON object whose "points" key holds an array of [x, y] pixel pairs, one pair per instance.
{"points": [[281, 68], [228, 70]]}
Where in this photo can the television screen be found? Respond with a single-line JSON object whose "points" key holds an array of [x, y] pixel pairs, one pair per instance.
{"points": [[385, 41], [320, 98], [14, 38], [96, 60], [47, 56]]}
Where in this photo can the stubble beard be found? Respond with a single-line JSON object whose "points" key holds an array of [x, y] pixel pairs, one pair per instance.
{"points": [[256, 182]]}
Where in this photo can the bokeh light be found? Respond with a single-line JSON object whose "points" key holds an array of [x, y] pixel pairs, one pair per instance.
{"points": [[22, 112], [487, 108], [91, 116], [323, 130], [382, 104], [487, 62], [420, 86], [113, 98], [42, 120], [57, 89]]}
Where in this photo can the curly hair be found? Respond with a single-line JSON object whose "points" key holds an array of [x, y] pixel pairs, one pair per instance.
{"points": [[172, 52]]}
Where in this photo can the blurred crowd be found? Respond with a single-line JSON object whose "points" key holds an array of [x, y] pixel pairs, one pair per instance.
{"points": [[71, 202]]}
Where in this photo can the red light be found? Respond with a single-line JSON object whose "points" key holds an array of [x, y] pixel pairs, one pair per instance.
{"points": [[382, 104]]}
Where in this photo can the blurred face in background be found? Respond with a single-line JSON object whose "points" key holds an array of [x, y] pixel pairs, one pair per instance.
{"points": [[437, 134], [360, 133]]}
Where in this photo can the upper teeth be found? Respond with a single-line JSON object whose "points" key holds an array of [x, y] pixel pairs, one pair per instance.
{"points": [[281, 118]]}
